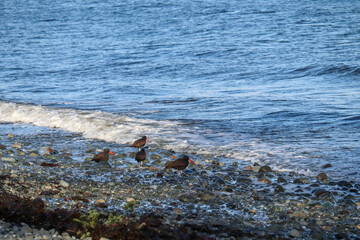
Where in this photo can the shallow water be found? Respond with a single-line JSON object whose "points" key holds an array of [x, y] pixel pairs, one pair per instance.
{"points": [[276, 83]]}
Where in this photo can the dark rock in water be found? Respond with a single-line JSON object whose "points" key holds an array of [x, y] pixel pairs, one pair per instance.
{"points": [[243, 180], [220, 181], [159, 175], [341, 235], [319, 192], [2, 147], [345, 184], [256, 164], [103, 164], [229, 189], [227, 178], [133, 180], [349, 203], [279, 188], [328, 165], [321, 176], [281, 180], [332, 183], [353, 190], [157, 162], [260, 175], [349, 196], [301, 181], [265, 169], [317, 234]]}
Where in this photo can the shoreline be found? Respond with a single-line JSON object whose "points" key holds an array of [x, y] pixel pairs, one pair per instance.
{"points": [[212, 199]]}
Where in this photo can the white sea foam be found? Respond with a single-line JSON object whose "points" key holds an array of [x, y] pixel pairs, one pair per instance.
{"points": [[168, 135]]}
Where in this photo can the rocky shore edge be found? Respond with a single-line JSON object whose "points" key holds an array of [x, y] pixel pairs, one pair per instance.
{"points": [[44, 196]]}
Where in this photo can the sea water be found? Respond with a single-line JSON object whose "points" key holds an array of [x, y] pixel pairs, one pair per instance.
{"points": [[273, 82]]}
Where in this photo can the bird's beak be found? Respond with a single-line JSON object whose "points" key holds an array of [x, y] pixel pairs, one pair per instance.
{"points": [[147, 140], [111, 153], [192, 161]]}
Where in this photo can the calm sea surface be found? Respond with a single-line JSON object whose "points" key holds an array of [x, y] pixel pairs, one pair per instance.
{"points": [[275, 82]]}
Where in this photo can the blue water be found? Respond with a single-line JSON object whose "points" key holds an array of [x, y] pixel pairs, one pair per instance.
{"points": [[275, 82]]}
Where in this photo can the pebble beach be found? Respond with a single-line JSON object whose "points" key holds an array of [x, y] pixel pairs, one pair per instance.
{"points": [[211, 200]]}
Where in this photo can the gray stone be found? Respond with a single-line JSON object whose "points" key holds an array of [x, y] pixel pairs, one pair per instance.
{"points": [[155, 156], [208, 196], [8, 159], [64, 184], [294, 233]]}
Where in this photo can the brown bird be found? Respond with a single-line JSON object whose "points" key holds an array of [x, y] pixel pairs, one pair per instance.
{"points": [[103, 156], [179, 164], [140, 157], [140, 142]]}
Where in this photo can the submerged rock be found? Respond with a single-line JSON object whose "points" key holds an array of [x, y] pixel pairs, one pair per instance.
{"points": [[321, 176], [345, 184], [265, 169], [302, 181]]}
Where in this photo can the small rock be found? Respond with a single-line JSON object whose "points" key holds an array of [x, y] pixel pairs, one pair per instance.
{"points": [[298, 214], [301, 181], [33, 154], [16, 145], [317, 234], [321, 176], [10, 135], [327, 205], [248, 167], [279, 188], [328, 165], [265, 169], [153, 169], [208, 196], [243, 180], [155, 156], [256, 168], [177, 211], [294, 233], [64, 184], [281, 180], [345, 184], [319, 192], [264, 180], [341, 235], [157, 162], [2, 147], [8, 159], [20, 152]]}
